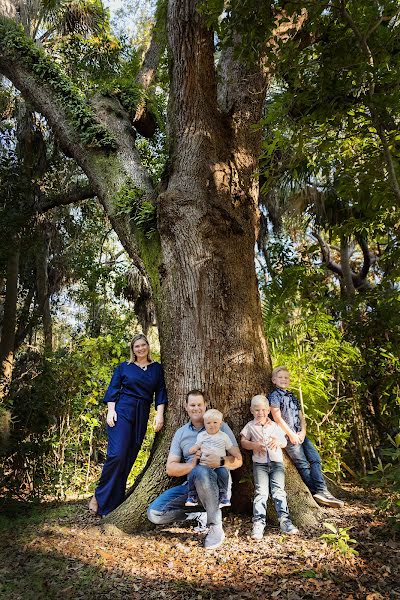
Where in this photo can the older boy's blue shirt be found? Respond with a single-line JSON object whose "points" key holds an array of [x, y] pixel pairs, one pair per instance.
{"points": [[289, 406]]}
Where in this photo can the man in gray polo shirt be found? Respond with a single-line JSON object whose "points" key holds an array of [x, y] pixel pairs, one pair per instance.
{"points": [[170, 506]]}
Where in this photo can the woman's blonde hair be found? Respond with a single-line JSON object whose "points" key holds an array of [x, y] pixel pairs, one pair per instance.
{"points": [[138, 336]]}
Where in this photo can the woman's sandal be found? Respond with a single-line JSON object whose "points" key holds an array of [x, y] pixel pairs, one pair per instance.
{"points": [[93, 506]]}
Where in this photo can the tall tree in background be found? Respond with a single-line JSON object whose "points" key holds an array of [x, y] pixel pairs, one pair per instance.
{"points": [[200, 261]]}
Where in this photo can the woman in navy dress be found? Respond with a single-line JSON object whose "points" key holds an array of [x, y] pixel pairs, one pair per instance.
{"points": [[128, 398]]}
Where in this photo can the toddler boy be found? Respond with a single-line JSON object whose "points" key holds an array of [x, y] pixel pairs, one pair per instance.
{"points": [[266, 440], [287, 413], [212, 441]]}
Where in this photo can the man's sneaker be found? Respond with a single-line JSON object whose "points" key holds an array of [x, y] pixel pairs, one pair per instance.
{"points": [[326, 499], [191, 501], [258, 530], [287, 526], [214, 537], [224, 501], [201, 520]]}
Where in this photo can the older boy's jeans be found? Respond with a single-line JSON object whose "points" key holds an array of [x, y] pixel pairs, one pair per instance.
{"points": [[170, 506], [269, 475], [308, 463]]}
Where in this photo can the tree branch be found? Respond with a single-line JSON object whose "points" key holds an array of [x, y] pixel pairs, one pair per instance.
{"points": [[143, 121], [74, 193], [99, 136]]}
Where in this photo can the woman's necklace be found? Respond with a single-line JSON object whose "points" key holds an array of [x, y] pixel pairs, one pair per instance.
{"points": [[143, 367]]}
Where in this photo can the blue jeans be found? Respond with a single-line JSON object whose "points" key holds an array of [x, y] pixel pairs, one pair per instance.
{"points": [[269, 475], [308, 463], [222, 481], [170, 505]]}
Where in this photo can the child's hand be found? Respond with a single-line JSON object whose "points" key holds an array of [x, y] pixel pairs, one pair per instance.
{"points": [[302, 435], [259, 447], [294, 438], [273, 443]]}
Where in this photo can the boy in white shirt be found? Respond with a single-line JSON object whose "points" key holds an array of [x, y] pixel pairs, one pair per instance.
{"points": [[212, 441], [266, 439]]}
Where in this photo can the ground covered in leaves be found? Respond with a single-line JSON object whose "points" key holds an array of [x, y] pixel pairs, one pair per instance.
{"points": [[60, 551]]}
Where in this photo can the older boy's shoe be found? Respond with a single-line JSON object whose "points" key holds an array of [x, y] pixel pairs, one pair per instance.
{"points": [[214, 537], [326, 499], [258, 531], [191, 501], [287, 526]]}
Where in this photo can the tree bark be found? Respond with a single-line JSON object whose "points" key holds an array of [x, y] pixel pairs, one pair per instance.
{"points": [[42, 281], [9, 320]]}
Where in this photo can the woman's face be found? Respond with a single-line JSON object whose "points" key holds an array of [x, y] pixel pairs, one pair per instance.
{"points": [[141, 349]]}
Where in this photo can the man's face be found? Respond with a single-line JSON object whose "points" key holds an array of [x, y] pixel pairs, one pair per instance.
{"points": [[282, 380], [195, 407]]}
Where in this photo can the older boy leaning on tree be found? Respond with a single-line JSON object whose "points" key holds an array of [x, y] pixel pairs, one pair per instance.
{"points": [[286, 412]]}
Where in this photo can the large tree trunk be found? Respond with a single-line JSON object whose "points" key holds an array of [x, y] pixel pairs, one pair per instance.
{"points": [[209, 311], [202, 266]]}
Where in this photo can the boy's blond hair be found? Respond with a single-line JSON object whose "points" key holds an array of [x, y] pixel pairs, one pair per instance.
{"points": [[213, 413], [278, 370], [259, 399]]}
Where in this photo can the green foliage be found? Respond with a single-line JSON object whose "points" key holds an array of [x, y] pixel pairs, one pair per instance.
{"points": [[339, 539], [129, 200], [386, 472], [15, 44]]}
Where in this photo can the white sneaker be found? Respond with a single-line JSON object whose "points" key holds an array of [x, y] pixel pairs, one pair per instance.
{"points": [[258, 531]]}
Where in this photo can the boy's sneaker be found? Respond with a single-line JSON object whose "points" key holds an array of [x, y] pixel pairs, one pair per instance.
{"points": [[287, 526], [201, 519], [224, 501], [258, 530], [214, 537], [191, 501], [326, 499]]}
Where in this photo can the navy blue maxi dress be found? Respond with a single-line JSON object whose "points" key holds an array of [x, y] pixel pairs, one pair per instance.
{"points": [[132, 389]]}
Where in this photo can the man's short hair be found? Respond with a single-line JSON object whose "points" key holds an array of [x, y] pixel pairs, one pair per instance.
{"points": [[213, 413], [278, 370], [195, 392], [259, 399]]}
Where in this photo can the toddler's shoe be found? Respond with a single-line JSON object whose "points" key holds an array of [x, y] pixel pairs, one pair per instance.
{"points": [[224, 501], [192, 501], [326, 499], [201, 523], [287, 526], [258, 531]]}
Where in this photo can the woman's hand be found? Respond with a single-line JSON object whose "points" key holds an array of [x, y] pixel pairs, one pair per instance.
{"points": [[158, 422], [111, 417]]}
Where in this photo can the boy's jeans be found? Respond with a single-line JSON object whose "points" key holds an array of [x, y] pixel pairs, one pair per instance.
{"points": [[170, 505], [308, 463], [222, 481], [268, 475]]}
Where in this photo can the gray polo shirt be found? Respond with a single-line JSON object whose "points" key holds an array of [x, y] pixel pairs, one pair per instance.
{"points": [[185, 437]]}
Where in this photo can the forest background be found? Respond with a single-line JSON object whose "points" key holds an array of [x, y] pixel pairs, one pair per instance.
{"points": [[327, 253]]}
